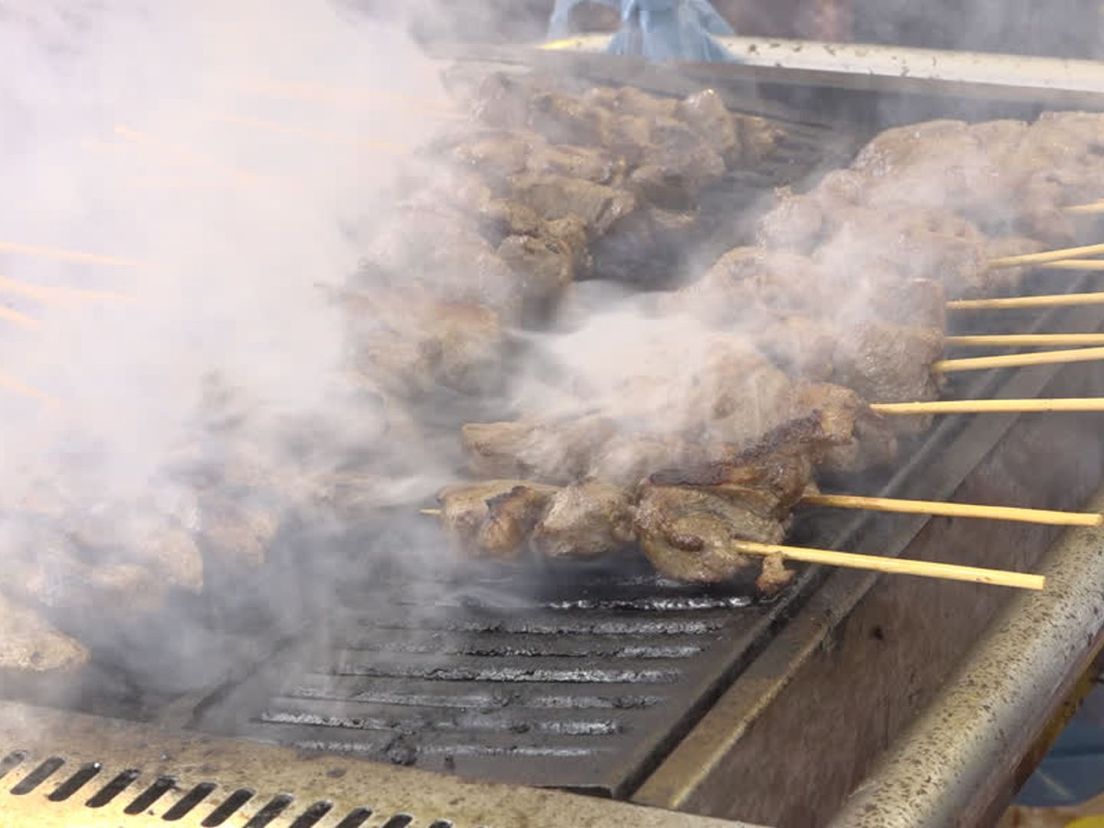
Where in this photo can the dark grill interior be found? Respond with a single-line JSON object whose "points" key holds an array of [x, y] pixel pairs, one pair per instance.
{"points": [[576, 687]]}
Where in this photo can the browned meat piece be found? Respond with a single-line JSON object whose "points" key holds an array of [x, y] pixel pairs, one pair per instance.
{"points": [[628, 459], [493, 518], [854, 437], [445, 255], [910, 146], [682, 152], [746, 280], [795, 224], [911, 302], [411, 344], [558, 452], [171, 552], [238, 533], [641, 248], [557, 196], [633, 101], [774, 576], [566, 119], [800, 345], [496, 155], [29, 643], [585, 520], [915, 242], [586, 163], [707, 115], [686, 533], [759, 138], [50, 570], [890, 363], [544, 266]]}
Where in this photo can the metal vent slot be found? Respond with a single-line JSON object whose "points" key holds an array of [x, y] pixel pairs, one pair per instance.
{"points": [[441, 823], [11, 761], [356, 818], [398, 821], [228, 808], [312, 815], [146, 799], [276, 806], [84, 774], [39, 775], [184, 806], [112, 789]]}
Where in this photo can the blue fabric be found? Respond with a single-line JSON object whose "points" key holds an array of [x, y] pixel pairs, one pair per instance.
{"points": [[1073, 771], [657, 30]]}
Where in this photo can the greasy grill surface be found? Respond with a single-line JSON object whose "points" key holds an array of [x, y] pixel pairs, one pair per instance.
{"points": [[578, 683]]}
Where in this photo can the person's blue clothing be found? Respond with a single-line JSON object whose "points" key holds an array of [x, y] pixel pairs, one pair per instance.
{"points": [[658, 30]]}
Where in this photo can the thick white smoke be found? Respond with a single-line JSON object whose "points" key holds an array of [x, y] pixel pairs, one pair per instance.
{"points": [[228, 154]]}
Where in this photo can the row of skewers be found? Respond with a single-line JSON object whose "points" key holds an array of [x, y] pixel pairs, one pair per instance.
{"points": [[757, 477], [697, 511]]}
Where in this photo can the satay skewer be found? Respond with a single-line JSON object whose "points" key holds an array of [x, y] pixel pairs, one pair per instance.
{"points": [[947, 366], [79, 256], [20, 319], [1042, 301], [20, 388], [44, 293], [875, 563], [1089, 208], [1021, 406], [1047, 256], [1025, 340], [964, 510], [896, 505], [1073, 264], [896, 566]]}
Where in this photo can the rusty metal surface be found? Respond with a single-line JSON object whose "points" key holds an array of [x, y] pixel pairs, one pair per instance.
{"points": [[957, 764], [335, 789]]}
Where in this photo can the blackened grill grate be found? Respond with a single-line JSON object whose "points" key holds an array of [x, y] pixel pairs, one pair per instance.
{"points": [[579, 685]]}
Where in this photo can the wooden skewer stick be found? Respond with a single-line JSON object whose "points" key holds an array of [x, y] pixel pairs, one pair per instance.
{"points": [[1067, 404], [68, 255], [965, 510], [1025, 340], [1085, 209], [895, 505], [947, 366], [1074, 264], [1044, 301], [20, 319], [896, 566], [43, 293], [21, 388], [312, 134], [1047, 256]]}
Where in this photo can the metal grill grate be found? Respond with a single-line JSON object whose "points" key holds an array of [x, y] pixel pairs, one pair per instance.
{"points": [[576, 680]]}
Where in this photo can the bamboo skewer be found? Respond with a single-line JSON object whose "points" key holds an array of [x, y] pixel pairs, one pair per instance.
{"points": [[21, 389], [947, 366], [896, 566], [1090, 208], [965, 510], [43, 293], [1047, 256], [1065, 404], [20, 319], [1074, 264], [68, 255], [894, 505], [1025, 340], [1043, 301]]}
